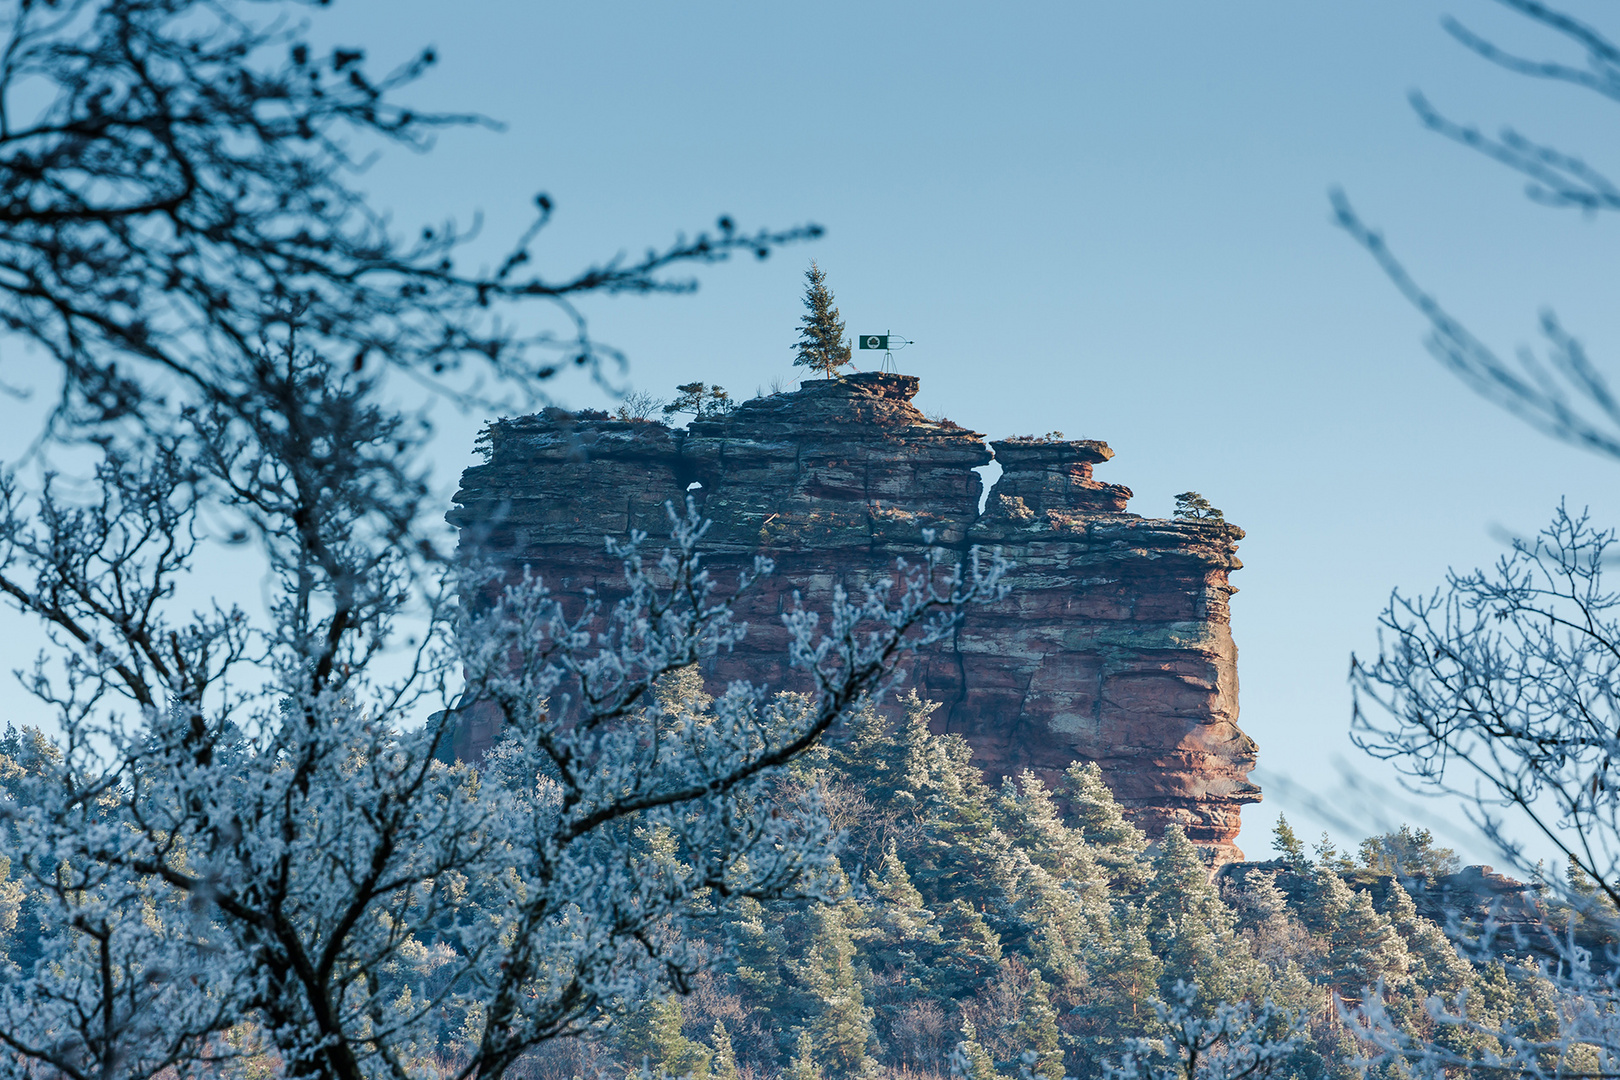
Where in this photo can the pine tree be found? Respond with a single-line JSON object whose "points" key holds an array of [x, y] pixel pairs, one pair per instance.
{"points": [[1328, 856], [821, 346], [1437, 969], [725, 1058], [1408, 853], [971, 1061], [1137, 969], [1329, 900], [802, 1066], [1057, 929], [960, 848], [1060, 902], [1362, 945], [1290, 847], [1117, 845], [703, 401], [1274, 936], [1037, 1029], [1435, 965], [1580, 882], [653, 1033], [904, 932], [1029, 816], [1193, 931], [972, 949], [680, 693], [922, 757], [12, 896], [840, 1023], [755, 948], [1191, 506]]}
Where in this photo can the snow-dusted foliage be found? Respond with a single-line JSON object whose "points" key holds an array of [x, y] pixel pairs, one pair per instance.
{"points": [[248, 852], [1565, 1023], [243, 847], [1234, 1042], [1504, 684], [1500, 689]]}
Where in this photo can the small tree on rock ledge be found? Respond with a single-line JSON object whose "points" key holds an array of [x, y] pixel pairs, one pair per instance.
{"points": [[701, 400], [821, 346], [1191, 506]]}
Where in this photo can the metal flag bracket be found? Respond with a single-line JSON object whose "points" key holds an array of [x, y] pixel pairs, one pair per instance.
{"points": [[889, 343]]}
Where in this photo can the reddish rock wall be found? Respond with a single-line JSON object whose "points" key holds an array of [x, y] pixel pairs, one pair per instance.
{"points": [[1113, 645]]}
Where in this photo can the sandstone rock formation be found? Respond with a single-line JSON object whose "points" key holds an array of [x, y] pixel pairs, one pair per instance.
{"points": [[1113, 644]]}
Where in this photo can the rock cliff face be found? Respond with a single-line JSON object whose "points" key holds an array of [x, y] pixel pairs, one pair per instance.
{"points": [[1113, 645]]}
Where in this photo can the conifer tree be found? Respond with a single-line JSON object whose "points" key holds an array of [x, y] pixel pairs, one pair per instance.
{"points": [[1118, 845], [1056, 928], [1137, 968], [1037, 1029], [997, 907], [1408, 853], [971, 1061], [904, 933], [756, 949], [865, 754], [1435, 965], [1056, 886], [1329, 857], [960, 849], [653, 1033], [821, 346], [680, 693], [1362, 945], [724, 1066], [1579, 881], [1289, 847], [802, 1066], [1293, 990], [1029, 817], [1191, 506], [839, 1021], [1330, 899], [922, 758], [701, 400], [972, 948], [1436, 969], [1274, 936], [12, 897], [1193, 931]]}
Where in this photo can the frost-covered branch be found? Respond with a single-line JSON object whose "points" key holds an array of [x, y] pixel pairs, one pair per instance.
{"points": [[1499, 689], [248, 844], [1234, 1042]]}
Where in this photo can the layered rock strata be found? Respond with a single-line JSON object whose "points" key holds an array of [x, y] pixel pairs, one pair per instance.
{"points": [[1113, 645]]}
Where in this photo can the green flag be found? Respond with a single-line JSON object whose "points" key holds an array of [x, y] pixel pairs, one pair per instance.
{"points": [[874, 341]]}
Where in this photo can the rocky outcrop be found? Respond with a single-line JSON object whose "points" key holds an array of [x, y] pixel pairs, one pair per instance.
{"points": [[1477, 906], [1113, 644]]}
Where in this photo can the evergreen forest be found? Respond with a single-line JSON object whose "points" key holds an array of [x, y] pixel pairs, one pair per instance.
{"points": [[983, 931]]}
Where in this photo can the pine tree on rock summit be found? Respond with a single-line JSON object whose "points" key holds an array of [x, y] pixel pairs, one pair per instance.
{"points": [[821, 345]]}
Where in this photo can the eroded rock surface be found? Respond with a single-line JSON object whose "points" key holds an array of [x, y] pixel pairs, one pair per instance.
{"points": [[1113, 645]]}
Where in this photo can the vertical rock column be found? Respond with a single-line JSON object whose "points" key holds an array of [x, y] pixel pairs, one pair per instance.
{"points": [[1114, 644]]}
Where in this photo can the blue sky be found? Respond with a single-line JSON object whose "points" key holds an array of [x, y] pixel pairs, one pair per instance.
{"points": [[1107, 219]]}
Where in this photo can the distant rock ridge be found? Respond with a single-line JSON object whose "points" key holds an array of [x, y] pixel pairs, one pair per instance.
{"points": [[1476, 905], [1114, 644]]}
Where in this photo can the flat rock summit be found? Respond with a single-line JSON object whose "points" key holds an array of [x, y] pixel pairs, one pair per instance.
{"points": [[1113, 645]]}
